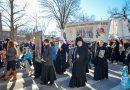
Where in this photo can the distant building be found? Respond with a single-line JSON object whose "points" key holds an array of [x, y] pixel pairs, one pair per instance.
{"points": [[5, 34], [48, 36]]}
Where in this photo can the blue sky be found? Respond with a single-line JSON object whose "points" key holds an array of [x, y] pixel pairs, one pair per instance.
{"points": [[100, 8]]}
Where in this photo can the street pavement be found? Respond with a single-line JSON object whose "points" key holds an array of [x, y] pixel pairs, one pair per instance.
{"points": [[25, 82]]}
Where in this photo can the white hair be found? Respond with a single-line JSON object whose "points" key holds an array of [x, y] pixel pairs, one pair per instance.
{"points": [[62, 39]]}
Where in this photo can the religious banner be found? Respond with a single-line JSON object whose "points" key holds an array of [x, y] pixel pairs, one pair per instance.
{"points": [[89, 31], [119, 28], [85, 32], [38, 45], [102, 32]]}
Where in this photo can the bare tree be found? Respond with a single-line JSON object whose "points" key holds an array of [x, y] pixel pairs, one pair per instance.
{"points": [[123, 13], [82, 17], [60, 10], [12, 15], [39, 23]]}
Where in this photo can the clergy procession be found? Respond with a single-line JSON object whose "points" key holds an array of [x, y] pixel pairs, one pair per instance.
{"points": [[77, 58], [64, 44]]}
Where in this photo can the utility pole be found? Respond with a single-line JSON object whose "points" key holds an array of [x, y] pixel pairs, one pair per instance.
{"points": [[1, 27]]}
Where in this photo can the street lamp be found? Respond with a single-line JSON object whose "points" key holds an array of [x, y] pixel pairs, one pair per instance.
{"points": [[1, 27]]}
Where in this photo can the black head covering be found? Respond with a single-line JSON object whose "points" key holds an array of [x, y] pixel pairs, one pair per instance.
{"points": [[7, 39], [1, 46], [78, 39]]}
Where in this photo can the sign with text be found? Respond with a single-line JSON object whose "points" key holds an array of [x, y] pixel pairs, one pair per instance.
{"points": [[89, 31]]}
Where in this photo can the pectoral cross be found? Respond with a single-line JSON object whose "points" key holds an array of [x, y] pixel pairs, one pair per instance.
{"points": [[78, 56]]}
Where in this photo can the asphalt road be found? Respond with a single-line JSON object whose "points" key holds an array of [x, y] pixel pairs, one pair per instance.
{"points": [[28, 83]]}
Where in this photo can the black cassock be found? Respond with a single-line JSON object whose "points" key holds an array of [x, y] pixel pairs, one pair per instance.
{"points": [[48, 72], [101, 65], [127, 58], [78, 78], [61, 59]]}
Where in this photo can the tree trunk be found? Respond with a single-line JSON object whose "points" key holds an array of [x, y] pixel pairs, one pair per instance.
{"points": [[12, 20], [12, 34], [63, 33]]}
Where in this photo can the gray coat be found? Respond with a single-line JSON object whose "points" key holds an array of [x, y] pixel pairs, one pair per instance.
{"points": [[47, 55], [10, 55]]}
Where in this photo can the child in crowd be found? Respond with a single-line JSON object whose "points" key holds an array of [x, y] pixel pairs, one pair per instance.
{"points": [[26, 58]]}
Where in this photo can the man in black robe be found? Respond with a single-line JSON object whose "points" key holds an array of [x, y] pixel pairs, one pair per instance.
{"points": [[37, 64], [1, 48], [61, 58], [101, 65], [127, 56], [48, 72], [80, 61], [94, 47]]}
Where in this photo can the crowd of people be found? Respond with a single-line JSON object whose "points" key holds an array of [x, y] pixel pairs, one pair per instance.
{"points": [[77, 56]]}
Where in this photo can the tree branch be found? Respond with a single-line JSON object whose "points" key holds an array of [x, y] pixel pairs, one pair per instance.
{"points": [[6, 23], [20, 25], [123, 13], [60, 10], [6, 18], [19, 18], [6, 10]]}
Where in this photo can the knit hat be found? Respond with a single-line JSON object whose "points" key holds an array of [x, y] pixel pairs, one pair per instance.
{"points": [[79, 39]]}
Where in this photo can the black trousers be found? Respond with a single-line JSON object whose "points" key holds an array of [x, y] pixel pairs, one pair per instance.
{"points": [[1, 63], [37, 69], [11, 65], [33, 59], [30, 62]]}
